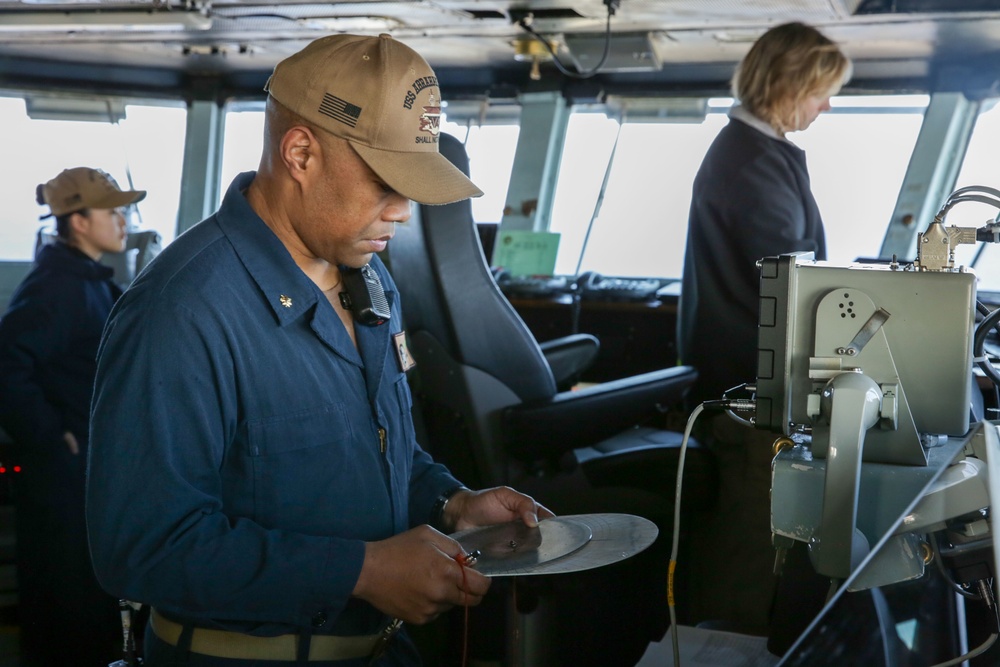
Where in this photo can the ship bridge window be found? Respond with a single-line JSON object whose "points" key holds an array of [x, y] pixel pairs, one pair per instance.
{"points": [[980, 168], [857, 153], [243, 138], [145, 143], [490, 139], [491, 150]]}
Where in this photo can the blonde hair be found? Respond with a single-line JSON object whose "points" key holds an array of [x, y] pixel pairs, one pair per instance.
{"points": [[787, 64]]}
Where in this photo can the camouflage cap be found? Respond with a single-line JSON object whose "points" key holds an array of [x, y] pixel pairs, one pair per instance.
{"points": [[82, 187]]}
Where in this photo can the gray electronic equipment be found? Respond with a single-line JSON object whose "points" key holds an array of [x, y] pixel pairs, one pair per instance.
{"points": [[883, 615], [873, 362]]}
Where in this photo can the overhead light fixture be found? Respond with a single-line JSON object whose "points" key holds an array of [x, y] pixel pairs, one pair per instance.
{"points": [[626, 52], [658, 109], [51, 107], [350, 23], [98, 21], [737, 36], [480, 112]]}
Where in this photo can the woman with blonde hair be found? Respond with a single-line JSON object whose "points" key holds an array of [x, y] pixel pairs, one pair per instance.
{"points": [[751, 199]]}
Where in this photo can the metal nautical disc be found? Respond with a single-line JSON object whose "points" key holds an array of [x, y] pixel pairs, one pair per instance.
{"points": [[516, 548], [560, 544]]}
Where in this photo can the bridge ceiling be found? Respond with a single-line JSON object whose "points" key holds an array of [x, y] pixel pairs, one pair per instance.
{"points": [[226, 47]]}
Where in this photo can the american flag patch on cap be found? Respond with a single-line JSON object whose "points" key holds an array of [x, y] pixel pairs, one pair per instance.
{"points": [[339, 109]]}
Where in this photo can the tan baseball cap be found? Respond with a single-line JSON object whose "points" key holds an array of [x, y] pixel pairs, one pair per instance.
{"points": [[82, 187], [382, 97]]}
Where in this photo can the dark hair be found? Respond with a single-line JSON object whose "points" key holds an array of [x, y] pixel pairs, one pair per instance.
{"points": [[62, 223]]}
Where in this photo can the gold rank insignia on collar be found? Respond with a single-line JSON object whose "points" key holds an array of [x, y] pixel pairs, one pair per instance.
{"points": [[286, 301]]}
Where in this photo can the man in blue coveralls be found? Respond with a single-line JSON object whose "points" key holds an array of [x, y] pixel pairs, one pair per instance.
{"points": [[254, 474]]}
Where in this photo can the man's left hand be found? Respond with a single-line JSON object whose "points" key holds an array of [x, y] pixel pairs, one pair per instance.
{"points": [[501, 504]]}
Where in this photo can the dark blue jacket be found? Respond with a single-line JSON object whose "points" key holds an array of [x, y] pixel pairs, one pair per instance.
{"points": [[243, 451], [751, 199], [48, 351]]}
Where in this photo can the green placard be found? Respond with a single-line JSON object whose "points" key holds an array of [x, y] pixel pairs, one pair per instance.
{"points": [[523, 253]]}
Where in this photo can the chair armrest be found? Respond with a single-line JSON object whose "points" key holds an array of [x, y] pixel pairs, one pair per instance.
{"points": [[573, 419], [648, 458], [569, 357]]}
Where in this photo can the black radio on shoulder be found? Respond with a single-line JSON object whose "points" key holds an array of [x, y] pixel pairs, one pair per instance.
{"points": [[364, 296]]}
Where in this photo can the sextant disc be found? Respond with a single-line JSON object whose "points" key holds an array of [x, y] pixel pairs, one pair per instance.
{"points": [[559, 544]]}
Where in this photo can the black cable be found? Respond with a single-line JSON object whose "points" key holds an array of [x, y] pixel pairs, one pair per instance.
{"points": [[611, 4], [731, 406], [979, 650], [985, 311], [886, 627], [979, 340], [939, 564]]}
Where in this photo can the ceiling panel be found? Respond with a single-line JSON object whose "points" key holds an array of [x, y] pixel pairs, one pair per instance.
{"points": [[656, 43]]}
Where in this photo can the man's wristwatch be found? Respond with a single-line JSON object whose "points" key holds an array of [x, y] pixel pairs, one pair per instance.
{"points": [[437, 511]]}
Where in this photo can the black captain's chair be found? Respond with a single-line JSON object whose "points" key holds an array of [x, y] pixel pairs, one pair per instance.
{"points": [[487, 393]]}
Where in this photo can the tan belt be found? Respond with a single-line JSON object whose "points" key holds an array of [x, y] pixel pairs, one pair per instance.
{"points": [[239, 646]]}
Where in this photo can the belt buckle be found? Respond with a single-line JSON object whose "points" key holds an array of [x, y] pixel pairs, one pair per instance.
{"points": [[382, 644]]}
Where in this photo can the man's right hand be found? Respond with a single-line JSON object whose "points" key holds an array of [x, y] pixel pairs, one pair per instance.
{"points": [[414, 576]]}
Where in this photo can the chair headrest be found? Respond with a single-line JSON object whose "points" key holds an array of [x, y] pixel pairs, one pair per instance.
{"points": [[454, 150]]}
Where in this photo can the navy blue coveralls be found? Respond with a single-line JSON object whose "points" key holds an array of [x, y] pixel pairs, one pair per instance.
{"points": [[243, 450], [48, 357]]}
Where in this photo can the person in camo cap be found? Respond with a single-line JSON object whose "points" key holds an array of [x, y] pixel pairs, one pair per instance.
{"points": [[48, 359]]}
